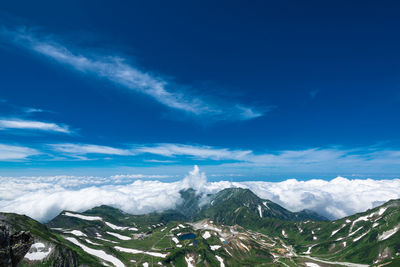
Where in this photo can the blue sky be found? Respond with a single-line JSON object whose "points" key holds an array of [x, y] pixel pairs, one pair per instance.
{"points": [[259, 90]]}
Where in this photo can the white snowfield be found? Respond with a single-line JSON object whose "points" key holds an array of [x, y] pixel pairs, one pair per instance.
{"points": [[358, 229], [175, 240], [221, 261], [122, 237], [174, 229], [340, 228], [285, 235], [215, 247], [97, 253], [137, 251], [385, 235], [205, 225], [206, 235], [189, 261], [75, 233], [309, 250], [369, 216], [259, 211], [134, 229], [312, 264], [91, 242], [103, 239], [83, 217], [37, 252], [115, 227], [348, 264], [361, 236]]}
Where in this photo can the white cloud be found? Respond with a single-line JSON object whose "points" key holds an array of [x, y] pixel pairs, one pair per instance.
{"points": [[11, 152], [43, 200], [117, 70], [32, 125], [44, 197], [33, 110], [139, 176], [316, 159], [334, 199], [196, 179], [197, 151], [83, 149]]}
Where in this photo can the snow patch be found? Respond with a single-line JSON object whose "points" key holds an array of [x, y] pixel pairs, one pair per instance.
{"points": [[385, 235], [335, 231], [259, 211], [361, 236], [97, 253], [83, 217], [189, 260], [122, 237], [115, 227], [137, 251], [221, 261], [206, 235], [91, 242], [75, 232], [37, 252], [284, 234], [358, 229]]}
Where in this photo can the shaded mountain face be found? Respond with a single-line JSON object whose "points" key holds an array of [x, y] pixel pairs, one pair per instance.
{"points": [[231, 229], [33, 244], [13, 246]]}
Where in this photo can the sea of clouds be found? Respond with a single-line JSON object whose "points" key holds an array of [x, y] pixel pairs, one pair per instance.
{"points": [[43, 198]]}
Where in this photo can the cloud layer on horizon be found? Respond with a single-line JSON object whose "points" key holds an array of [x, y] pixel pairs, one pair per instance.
{"points": [[44, 197]]}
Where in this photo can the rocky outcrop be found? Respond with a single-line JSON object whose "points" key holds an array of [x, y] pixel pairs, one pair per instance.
{"points": [[64, 257], [13, 247]]}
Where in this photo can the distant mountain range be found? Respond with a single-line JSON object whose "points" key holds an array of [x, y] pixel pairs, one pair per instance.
{"points": [[231, 228]]}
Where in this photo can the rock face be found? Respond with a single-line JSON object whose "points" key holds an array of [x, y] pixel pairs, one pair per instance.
{"points": [[64, 258], [13, 247]]}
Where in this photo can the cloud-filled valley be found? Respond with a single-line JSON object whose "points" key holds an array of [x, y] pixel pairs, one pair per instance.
{"points": [[44, 197]]}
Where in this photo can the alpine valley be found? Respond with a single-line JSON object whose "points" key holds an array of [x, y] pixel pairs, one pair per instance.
{"points": [[234, 227]]}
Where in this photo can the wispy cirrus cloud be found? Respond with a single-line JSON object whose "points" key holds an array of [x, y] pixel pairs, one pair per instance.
{"points": [[202, 152], [125, 75], [13, 152], [321, 160], [84, 149], [33, 125], [331, 159]]}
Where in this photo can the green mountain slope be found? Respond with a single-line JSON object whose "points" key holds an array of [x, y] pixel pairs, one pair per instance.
{"points": [[233, 228], [58, 252], [237, 205]]}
